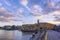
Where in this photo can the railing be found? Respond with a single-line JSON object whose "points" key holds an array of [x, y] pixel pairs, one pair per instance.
{"points": [[38, 36]]}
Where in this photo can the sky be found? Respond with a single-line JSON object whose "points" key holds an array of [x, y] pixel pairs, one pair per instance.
{"points": [[18, 12]]}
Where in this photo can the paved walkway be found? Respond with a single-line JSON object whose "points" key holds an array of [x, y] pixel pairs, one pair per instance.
{"points": [[39, 36], [53, 35], [46, 36]]}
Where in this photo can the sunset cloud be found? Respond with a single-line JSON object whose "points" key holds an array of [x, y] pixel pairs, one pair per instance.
{"points": [[58, 6], [21, 11], [57, 18], [55, 13], [24, 11], [50, 4], [53, 16], [5, 15], [24, 2], [37, 10]]}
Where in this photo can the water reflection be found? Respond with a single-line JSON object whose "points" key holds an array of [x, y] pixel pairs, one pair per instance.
{"points": [[26, 36], [14, 35]]}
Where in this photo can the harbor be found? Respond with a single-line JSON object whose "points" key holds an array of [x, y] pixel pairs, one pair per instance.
{"points": [[14, 35], [37, 31], [18, 35], [29, 19]]}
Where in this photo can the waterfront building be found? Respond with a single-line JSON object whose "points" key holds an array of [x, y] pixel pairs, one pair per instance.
{"points": [[36, 26]]}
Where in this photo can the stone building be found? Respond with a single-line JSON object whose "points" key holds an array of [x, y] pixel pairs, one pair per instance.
{"points": [[37, 26]]}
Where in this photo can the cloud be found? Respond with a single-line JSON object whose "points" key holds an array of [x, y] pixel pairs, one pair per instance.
{"points": [[54, 22], [53, 16], [39, 17], [58, 6], [5, 15], [36, 10], [57, 18], [50, 5], [3, 19], [7, 2], [0, 4], [54, 13], [10, 4], [24, 2], [45, 18], [21, 11]]}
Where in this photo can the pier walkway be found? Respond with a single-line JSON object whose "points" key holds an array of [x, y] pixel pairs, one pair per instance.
{"points": [[47, 35], [39, 36], [53, 35]]}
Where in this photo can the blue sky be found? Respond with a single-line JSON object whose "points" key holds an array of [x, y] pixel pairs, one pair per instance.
{"points": [[18, 12]]}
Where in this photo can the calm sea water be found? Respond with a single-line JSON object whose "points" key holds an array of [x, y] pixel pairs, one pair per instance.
{"points": [[14, 35]]}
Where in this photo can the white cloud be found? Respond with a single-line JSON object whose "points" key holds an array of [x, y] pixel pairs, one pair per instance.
{"points": [[24, 2], [45, 18], [8, 3], [51, 17], [20, 11], [57, 18], [54, 13], [0, 4], [50, 5], [5, 15], [58, 5], [37, 10]]}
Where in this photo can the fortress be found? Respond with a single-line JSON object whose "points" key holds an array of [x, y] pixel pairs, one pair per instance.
{"points": [[36, 26]]}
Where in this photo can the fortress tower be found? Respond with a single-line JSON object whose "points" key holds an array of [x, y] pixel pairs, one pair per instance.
{"points": [[38, 21]]}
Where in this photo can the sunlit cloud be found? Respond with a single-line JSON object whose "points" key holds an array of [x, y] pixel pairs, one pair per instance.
{"points": [[50, 4], [55, 13], [58, 6], [45, 18], [39, 17], [21, 11], [24, 2], [37, 10], [0, 4], [57, 18], [44, 10], [5, 15], [54, 22], [51, 17]]}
